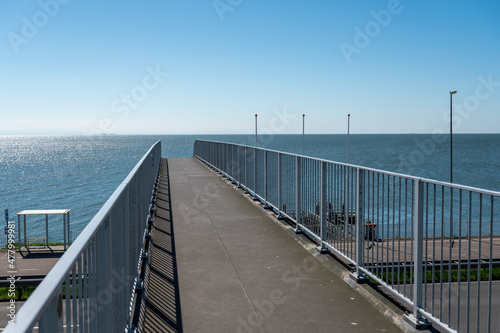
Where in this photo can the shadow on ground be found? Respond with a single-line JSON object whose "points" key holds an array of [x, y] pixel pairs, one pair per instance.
{"points": [[160, 309]]}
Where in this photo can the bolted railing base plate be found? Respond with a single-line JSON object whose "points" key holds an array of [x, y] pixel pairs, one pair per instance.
{"points": [[298, 231], [322, 250], [360, 279], [417, 323]]}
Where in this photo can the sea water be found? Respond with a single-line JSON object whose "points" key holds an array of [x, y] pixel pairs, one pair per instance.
{"points": [[81, 172]]}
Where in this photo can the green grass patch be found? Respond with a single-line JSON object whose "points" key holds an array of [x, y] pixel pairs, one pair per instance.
{"points": [[21, 293], [35, 244], [43, 244], [441, 276]]}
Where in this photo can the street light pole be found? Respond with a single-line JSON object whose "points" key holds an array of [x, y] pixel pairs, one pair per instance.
{"points": [[348, 125], [303, 131], [256, 130], [451, 134]]}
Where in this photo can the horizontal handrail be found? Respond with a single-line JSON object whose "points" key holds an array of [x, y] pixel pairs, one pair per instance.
{"points": [[385, 172], [83, 257], [400, 224]]}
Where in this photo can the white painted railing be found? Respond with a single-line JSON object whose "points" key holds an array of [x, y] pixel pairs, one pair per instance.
{"points": [[89, 289], [406, 233]]}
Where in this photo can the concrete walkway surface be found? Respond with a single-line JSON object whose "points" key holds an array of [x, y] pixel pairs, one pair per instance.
{"points": [[238, 271]]}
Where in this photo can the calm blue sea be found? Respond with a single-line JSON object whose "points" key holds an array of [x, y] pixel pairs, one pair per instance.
{"points": [[81, 172]]}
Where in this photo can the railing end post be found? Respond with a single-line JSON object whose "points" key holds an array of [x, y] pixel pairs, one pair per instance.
{"points": [[360, 226], [323, 206]]}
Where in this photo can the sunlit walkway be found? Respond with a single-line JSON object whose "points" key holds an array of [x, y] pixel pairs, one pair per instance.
{"points": [[239, 271]]}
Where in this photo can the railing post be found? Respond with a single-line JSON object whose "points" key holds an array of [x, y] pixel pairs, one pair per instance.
{"points": [[415, 318], [237, 165], [280, 175], [322, 248], [69, 224], [346, 204], [64, 230], [226, 159], [18, 233], [52, 320], [217, 147], [232, 163], [298, 194], [241, 168], [117, 282], [103, 271], [265, 179], [214, 156], [245, 171], [358, 276], [255, 173], [132, 228], [220, 166]]}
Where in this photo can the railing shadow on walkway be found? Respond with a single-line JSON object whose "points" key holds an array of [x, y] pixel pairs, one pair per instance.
{"points": [[160, 309]]}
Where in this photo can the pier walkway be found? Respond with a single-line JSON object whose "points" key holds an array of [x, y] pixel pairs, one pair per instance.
{"points": [[213, 259], [237, 270]]}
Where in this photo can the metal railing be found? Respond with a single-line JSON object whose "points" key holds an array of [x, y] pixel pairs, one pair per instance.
{"points": [[89, 289], [73, 235], [3, 240], [433, 245]]}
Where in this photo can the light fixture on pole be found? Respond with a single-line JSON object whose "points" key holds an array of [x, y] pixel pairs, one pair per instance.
{"points": [[451, 134], [348, 125], [256, 130], [303, 131]]}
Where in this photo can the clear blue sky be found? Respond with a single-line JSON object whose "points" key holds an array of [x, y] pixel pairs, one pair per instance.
{"points": [[204, 66]]}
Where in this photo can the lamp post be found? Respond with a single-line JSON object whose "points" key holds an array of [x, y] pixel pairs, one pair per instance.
{"points": [[256, 130], [348, 125], [303, 131], [451, 134]]}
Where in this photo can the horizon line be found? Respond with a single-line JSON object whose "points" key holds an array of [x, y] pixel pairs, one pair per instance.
{"points": [[244, 134]]}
